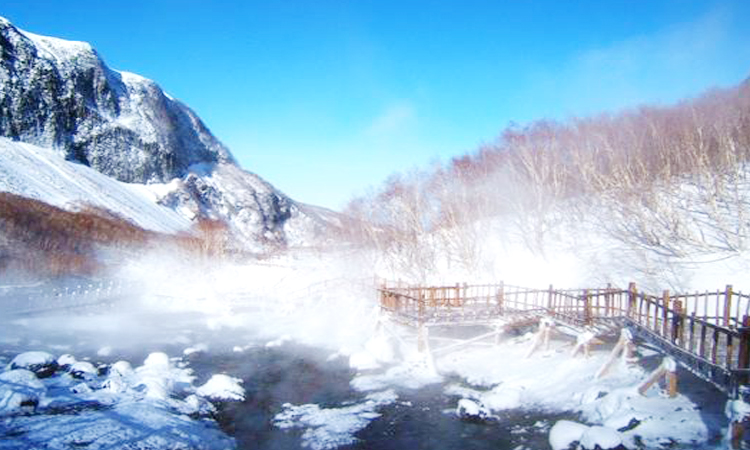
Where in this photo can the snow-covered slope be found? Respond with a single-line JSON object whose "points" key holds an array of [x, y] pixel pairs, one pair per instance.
{"points": [[60, 95], [44, 175]]}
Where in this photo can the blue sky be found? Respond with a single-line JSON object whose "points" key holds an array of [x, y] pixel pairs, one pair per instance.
{"points": [[326, 98]]}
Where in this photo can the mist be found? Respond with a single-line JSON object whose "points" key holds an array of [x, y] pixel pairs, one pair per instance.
{"points": [[163, 301]]}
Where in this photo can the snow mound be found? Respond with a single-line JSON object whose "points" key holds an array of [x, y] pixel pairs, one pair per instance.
{"points": [[83, 370], [41, 363], [503, 397], [222, 387], [564, 433], [602, 438], [472, 410]]}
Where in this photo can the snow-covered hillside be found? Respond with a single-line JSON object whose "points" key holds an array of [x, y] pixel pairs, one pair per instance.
{"points": [[43, 174], [61, 96]]}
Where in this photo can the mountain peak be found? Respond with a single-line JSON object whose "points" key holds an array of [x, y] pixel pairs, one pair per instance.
{"points": [[61, 95], [60, 50]]}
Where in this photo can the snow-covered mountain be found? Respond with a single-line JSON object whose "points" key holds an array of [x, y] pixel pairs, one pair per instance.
{"points": [[60, 95]]}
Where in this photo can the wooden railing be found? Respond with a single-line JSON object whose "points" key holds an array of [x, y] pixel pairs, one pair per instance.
{"points": [[709, 331]]}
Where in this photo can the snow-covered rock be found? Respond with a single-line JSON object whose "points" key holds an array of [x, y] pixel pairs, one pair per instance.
{"points": [[472, 410], [153, 406], [121, 369], [41, 363], [413, 373], [83, 370], [65, 361], [601, 438], [158, 379], [222, 387], [564, 433]]}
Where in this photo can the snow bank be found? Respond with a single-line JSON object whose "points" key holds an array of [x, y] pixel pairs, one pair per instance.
{"points": [[654, 420], [500, 378]]}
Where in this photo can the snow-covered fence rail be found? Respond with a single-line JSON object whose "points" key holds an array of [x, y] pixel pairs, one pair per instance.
{"points": [[708, 332], [36, 299]]}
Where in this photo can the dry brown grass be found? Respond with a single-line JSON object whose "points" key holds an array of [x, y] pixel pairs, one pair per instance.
{"points": [[45, 240]]}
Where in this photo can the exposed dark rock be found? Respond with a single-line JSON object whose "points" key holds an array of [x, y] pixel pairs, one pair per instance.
{"points": [[61, 94]]}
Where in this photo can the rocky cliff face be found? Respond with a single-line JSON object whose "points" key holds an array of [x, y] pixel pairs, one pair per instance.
{"points": [[61, 95]]}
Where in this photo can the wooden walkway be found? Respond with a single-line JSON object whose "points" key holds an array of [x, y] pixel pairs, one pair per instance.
{"points": [[708, 332]]}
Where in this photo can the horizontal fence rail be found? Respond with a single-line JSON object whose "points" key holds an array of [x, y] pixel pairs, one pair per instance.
{"points": [[709, 332], [29, 300]]}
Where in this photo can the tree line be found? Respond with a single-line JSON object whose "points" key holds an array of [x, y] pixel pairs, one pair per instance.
{"points": [[666, 179]]}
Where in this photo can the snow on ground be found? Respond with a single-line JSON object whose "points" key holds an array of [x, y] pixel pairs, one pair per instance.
{"points": [[325, 301], [44, 175], [503, 377]]}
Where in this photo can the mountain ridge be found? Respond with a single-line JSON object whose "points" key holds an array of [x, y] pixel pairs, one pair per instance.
{"points": [[61, 95]]}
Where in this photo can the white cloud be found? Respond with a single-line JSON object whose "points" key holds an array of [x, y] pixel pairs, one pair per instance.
{"points": [[395, 119], [661, 67]]}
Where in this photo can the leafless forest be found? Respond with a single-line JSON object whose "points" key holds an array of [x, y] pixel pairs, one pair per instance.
{"points": [[665, 181]]}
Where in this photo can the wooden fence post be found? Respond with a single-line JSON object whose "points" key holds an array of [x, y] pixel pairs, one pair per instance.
{"points": [[665, 313], [728, 305], [632, 294], [421, 310], [678, 328], [586, 307], [607, 300]]}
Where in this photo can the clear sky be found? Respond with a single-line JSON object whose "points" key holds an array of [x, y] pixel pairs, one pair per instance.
{"points": [[325, 98]]}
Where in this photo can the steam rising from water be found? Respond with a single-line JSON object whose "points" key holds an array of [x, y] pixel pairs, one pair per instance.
{"points": [[168, 303]]}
